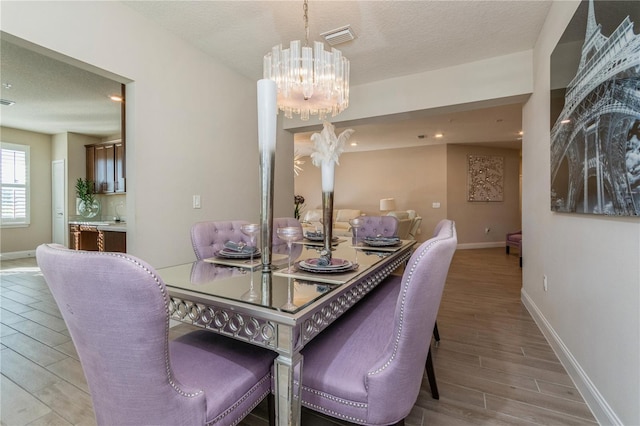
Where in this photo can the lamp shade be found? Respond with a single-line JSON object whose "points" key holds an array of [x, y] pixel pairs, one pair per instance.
{"points": [[387, 204]]}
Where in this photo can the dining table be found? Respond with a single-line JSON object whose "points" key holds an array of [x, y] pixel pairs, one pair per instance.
{"points": [[282, 309]]}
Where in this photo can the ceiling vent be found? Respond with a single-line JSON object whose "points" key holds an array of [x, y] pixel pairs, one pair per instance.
{"points": [[6, 102], [339, 35]]}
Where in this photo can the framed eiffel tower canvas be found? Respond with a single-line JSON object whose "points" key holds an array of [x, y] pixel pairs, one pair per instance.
{"points": [[595, 111]]}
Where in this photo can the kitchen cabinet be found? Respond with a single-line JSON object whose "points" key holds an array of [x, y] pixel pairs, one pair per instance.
{"points": [[96, 238], [106, 167]]}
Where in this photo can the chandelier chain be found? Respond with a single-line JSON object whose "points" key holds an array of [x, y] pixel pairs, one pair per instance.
{"points": [[305, 8]]}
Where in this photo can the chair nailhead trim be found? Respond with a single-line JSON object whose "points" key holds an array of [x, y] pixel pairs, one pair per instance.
{"points": [[334, 398], [244, 397], [404, 295], [165, 297], [333, 413]]}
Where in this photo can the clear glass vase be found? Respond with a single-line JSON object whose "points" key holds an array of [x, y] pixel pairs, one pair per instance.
{"points": [[89, 210]]}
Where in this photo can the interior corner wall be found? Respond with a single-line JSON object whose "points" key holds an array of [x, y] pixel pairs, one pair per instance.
{"points": [[473, 218], [590, 312], [23, 239]]}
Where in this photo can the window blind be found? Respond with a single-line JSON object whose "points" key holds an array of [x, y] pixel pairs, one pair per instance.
{"points": [[14, 166]]}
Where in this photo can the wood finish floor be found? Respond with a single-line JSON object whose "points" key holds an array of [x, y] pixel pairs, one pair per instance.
{"points": [[493, 365]]}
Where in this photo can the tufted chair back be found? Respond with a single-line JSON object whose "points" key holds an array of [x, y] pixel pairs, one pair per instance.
{"points": [[208, 238], [116, 309], [386, 226]]}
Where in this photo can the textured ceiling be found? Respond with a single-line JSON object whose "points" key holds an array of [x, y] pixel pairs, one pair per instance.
{"points": [[54, 97], [393, 38]]}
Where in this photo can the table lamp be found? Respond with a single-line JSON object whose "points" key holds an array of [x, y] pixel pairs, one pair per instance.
{"points": [[387, 205]]}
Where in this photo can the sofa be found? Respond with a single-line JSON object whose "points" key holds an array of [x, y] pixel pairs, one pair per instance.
{"points": [[311, 220]]}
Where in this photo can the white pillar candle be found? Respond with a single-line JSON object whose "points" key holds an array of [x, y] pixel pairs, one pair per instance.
{"points": [[328, 170], [267, 114]]}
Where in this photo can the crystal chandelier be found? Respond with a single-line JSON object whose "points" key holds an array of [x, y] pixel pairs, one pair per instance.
{"points": [[311, 81]]}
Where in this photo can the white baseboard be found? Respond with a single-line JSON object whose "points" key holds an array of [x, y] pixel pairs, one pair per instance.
{"points": [[596, 402], [17, 255], [468, 246]]}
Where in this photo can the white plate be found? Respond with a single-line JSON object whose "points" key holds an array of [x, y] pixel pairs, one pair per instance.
{"points": [[230, 254], [337, 265], [316, 238], [381, 243]]}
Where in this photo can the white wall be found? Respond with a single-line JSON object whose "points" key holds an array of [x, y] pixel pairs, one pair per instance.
{"points": [[417, 177], [590, 312], [191, 123]]}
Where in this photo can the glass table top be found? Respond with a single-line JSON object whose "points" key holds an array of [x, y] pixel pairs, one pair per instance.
{"points": [[281, 291]]}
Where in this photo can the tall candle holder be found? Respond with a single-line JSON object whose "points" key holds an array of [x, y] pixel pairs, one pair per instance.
{"points": [[267, 121], [327, 150], [327, 224]]}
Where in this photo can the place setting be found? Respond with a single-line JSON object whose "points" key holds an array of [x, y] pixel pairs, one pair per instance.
{"points": [[317, 238], [240, 254]]}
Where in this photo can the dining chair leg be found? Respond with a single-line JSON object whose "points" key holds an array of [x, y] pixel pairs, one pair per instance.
{"points": [[431, 376], [436, 335], [271, 407]]}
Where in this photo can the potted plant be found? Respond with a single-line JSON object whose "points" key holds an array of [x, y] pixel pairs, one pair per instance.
{"points": [[88, 206]]}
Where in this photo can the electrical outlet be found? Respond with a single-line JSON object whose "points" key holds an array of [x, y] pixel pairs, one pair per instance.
{"points": [[544, 282], [196, 201]]}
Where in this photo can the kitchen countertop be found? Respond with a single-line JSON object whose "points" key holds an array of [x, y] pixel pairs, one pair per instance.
{"points": [[101, 225]]}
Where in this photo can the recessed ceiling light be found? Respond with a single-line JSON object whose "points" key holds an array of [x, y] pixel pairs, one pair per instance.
{"points": [[565, 121], [439, 135], [521, 133], [354, 143], [116, 98]]}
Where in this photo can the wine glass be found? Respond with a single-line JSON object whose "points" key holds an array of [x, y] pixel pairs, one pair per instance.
{"points": [[289, 234], [356, 223], [289, 306], [251, 230]]}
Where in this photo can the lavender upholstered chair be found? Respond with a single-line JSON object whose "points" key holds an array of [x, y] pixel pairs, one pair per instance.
{"points": [[116, 310], [372, 226], [367, 367], [514, 239], [208, 238]]}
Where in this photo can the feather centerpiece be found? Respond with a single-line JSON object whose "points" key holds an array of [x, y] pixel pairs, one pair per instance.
{"points": [[327, 149], [327, 146]]}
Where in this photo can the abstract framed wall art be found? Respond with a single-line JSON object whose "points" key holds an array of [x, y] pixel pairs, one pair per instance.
{"points": [[595, 111], [485, 177]]}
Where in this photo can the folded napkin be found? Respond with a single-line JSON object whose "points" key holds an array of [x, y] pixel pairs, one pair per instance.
{"points": [[323, 261], [239, 247]]}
